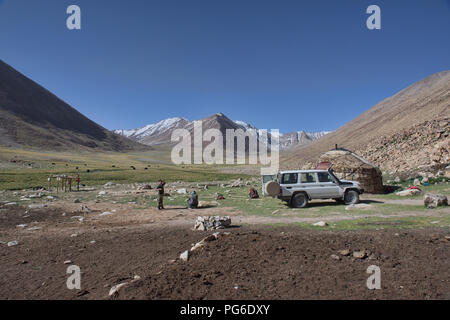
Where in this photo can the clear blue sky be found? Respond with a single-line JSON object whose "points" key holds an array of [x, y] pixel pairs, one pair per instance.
{"points": [[286, 64]]}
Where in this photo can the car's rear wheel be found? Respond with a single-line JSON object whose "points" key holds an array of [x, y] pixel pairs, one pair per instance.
{"points": [[299, 200], [351, 197]]}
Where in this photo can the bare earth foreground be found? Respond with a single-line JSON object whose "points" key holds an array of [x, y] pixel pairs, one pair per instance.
{"points": [[251, 262]]}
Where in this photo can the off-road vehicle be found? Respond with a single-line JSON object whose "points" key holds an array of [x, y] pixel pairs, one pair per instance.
{"points": [[298, 187]]}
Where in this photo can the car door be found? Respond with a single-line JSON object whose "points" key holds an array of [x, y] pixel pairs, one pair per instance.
{"points": [[289, 181], [328, 188], [308, 182]]}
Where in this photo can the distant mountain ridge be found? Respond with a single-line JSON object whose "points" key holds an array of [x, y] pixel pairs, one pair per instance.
{"points": [[160, 132]]}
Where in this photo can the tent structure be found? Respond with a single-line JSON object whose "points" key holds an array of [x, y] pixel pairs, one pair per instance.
{"points": [[347, 165]]}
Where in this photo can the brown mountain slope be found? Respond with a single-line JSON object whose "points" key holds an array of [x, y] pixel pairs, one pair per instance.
{"points": [[421, 105], [31, 116]]}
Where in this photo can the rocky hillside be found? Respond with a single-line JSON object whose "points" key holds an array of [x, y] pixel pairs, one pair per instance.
{"points": [[405, 132], [31, 116], [424, 146]]}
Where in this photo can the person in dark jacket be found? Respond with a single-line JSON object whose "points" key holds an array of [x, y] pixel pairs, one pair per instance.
{"points": [[193, 200], [253, 194], [160, 189]]}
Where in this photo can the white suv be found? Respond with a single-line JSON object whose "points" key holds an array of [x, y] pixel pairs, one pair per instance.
{"points": [[298, 187]]}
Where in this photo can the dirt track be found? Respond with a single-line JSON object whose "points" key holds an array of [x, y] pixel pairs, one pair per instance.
{"points": [[252, 262]]}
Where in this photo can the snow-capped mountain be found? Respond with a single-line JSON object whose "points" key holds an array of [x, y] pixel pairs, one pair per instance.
{"points": [[156, 133], [160, 133], [292, 139]]}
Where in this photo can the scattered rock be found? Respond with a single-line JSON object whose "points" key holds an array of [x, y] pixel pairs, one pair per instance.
{"points": [[408, 192], [115, 289], [11, 204], [34, 228], [344, 252], [182, 191], [76, 201], [205, 204], [84, 208], [209, 238], [67, 262], [335, 257], [22, 225], [37, 206], [102, 193], [237, 184], [109, 184], [211, 223], [320, 224], [184, 256], [107, 213], [432, 200], [359, 254], [13, 243], [416, 182]]}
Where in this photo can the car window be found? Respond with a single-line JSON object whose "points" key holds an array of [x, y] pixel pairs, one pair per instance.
{"points": [[289, 178], [268, 178], [324, 177], [309, 177]]}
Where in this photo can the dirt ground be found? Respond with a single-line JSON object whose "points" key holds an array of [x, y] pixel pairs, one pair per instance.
{"points": [[251, 262]]}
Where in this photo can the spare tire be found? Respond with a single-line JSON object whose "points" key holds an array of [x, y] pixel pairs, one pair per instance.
{"points": [[272, 188]]}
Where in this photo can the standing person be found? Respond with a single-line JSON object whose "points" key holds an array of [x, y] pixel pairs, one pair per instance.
{"points": [[160, 189]]}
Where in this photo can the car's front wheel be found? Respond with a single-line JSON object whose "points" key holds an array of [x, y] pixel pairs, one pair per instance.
{"points": [[300, 200], [351, 197]]}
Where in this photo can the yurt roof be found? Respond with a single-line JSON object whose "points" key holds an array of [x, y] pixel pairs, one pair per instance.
{"points": [[346, 158]]}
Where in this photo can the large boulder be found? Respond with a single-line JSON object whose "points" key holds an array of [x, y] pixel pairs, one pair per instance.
{"points": [[432, 200]]}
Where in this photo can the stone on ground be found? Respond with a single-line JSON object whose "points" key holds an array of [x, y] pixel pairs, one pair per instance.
{"points": [[432, 200]]}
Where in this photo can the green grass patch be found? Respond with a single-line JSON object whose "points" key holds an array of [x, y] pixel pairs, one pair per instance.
{"points": [[31, 169]]}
